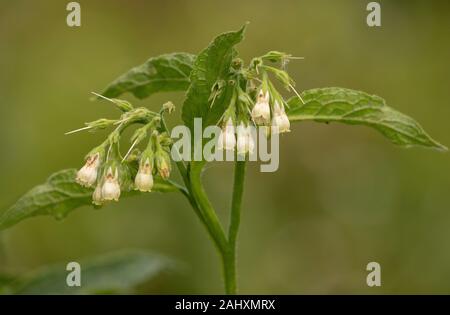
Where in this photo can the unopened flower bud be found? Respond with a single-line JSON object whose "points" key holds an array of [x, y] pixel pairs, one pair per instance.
{"points": [[275, 56], [87, 175], [100, 124], [168, 107], [111, 187], [227, 139], [162, 160], [144, 179], [261, 110], [164, 140], [237, 63], [123, 105]]}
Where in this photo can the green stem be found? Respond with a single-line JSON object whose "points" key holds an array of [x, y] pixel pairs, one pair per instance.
{"points": [[209, 215], [184, 172], [235, 219], [184, 175], [199, 201]]}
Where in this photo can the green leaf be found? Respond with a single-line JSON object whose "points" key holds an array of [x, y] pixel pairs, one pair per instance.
{"points": [[59, 195], [210, 73], [117, 272], [359, 108], [165, 73]]}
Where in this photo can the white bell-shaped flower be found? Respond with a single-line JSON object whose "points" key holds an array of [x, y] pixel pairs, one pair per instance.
{"points": [[280, 121], [111, 187], [87, 175], [97, 196], [227, 139], [261, 110], [144, 179], [245, 141], [286, 125]]}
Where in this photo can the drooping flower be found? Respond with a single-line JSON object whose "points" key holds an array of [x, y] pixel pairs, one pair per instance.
{"points": [[144, 179], [97, 198], [162, 159], [227, 139], [261, 110], [280, 121], [245, 141], [111, 187], [87, 175]]}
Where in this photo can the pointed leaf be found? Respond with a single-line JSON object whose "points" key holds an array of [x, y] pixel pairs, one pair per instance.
{"points": [[359, 108], [59, 195], [165, 73], [210, 73]]}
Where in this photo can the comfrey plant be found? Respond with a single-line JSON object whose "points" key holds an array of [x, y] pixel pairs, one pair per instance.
{"points": [[224, 93]]}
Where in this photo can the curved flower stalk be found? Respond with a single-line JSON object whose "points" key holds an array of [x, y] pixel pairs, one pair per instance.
{"points": [[109, 171]]}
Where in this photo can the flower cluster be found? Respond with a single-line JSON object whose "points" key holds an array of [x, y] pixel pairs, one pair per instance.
{"points": [[268, 109], [110, 172], [253, 101], [156, 153]]}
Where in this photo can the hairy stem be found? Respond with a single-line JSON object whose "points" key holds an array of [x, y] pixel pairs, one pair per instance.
{"points": [[235, 218]]}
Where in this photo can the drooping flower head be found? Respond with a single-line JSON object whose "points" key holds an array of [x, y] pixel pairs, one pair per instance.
{"points": [[227, 139], [280, 121], [162, 160], [144, 178], [245, 142], [97, 198], [87, 175], [261, 110], [111, 187]]}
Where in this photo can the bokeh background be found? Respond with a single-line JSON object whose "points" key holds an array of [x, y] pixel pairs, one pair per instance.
{"points": [[342, 197]]}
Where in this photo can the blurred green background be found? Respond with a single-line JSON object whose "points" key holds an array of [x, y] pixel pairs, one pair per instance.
{"points": [[342, 197]]}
